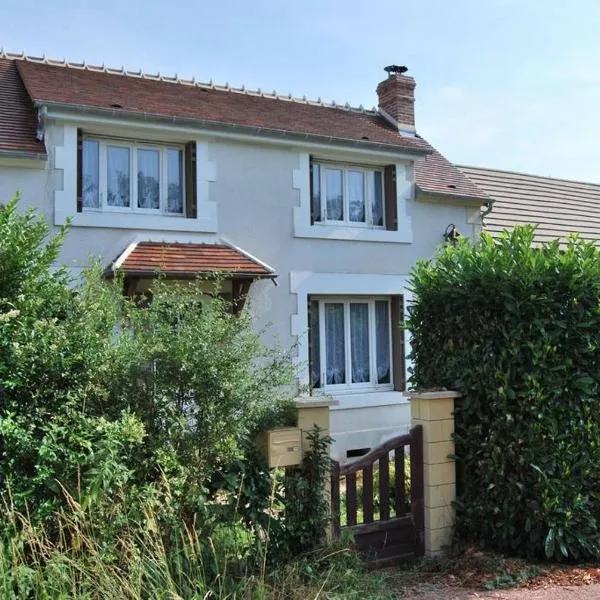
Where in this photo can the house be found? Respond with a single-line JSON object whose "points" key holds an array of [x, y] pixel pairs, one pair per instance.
{"points": [[332, 203], [558, 207]]}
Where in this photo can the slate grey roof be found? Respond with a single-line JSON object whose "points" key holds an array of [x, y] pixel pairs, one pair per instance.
{"points": [[558, 206]]}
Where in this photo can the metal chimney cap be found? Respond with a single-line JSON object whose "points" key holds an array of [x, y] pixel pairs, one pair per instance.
{"points": [[392, 70]]}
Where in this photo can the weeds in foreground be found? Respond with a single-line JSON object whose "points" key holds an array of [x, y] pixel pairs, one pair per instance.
{"points": [[149, 562]]}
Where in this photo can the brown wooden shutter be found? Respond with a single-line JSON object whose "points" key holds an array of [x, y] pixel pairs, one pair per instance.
{"points": [[310, 340], [391, 207], [312, 191], [398, 360], [79, 170], [191, 202]]}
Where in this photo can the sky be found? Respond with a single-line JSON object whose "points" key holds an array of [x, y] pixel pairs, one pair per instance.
{"points": [[509, 84]]}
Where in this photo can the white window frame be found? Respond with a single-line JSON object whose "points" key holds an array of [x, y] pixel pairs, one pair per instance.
{"points": [[369, 187], [350, 387], [133, 147]]}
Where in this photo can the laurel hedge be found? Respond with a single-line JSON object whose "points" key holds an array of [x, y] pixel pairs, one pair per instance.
{"points": [[515, 327]]}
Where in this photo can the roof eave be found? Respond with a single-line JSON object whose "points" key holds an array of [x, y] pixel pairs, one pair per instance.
{"points": [[218, 126], [424, 195], [23, 155], [110, 273]]}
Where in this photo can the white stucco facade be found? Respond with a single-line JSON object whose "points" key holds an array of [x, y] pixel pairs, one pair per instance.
{"points": [[255, 193]]}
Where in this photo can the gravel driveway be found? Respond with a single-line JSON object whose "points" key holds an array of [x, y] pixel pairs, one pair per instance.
{"points": [[583, 592]]}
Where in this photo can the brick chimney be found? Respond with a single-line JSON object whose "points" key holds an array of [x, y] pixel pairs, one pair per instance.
{"points": [[397, 99]]}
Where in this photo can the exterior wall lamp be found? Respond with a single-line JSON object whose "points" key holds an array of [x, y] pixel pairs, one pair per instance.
{"points": [[451, 234]]}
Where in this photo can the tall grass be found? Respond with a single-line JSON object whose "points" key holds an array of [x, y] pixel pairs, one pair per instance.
{"points": [[147, 562]]}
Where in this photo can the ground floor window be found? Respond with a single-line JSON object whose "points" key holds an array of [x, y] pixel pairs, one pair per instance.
{"points": [[351, 343]]}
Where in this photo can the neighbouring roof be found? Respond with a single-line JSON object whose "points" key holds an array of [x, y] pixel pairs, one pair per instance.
{"points": [[18, 120], [558, 206], [187, 260]]}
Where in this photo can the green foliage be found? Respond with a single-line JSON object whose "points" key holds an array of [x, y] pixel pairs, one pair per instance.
{"points": [[26, 259], [127, 458], [516, 328], [137, 565], [306, 503], [99, 395], [508, 579]]}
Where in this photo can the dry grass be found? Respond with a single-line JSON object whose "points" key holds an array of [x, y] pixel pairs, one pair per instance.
{"points": [[80, 563]]}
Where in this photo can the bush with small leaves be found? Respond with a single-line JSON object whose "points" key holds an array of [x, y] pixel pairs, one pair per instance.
{"points": [[515, 327]]}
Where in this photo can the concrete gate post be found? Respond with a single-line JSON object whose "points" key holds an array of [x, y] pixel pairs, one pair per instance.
{"points": [[435, 412]]}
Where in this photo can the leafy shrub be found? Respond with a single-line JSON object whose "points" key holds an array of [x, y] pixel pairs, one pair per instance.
{"points": [[127, 456], [100, 396], [516, 328], [306, 504]]}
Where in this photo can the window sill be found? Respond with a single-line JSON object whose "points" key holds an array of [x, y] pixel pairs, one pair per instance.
{"points": [[368, 400], [131, 220], [359, 234]]}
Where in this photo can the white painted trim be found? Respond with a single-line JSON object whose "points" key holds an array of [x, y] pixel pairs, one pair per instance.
{"points": [[173, 132], [125, 254], [305, 283], [206, 173], [117, 220], [65, 158], [23, 162], [405, 190], [356, 234], [368, 400], [65, 200], [246, 254], [176, 238]]}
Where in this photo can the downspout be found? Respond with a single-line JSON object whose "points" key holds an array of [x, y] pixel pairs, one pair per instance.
{"points": [[477, 218], [489, 205]]}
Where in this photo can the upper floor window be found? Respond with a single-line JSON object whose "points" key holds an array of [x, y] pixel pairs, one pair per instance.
{"points": [[124, 176], [359, 202], [348, 195], [157, 183]]}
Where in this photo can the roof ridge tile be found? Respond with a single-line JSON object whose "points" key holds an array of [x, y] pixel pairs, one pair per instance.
{"points": [[175, 79]]}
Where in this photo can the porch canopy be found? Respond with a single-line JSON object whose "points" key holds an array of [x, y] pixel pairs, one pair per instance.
{"points": [[143, 260]]}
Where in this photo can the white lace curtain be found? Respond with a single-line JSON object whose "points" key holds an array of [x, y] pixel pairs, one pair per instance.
{"points": [[353, 346], [148, 164], [335, 344], [118, 168], [359, 339], [91, 174]]}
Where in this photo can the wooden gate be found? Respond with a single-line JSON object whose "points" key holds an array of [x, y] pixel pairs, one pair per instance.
{"points": [[382, 507]]}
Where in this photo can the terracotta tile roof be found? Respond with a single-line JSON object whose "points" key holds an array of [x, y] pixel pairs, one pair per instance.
{"points": [[188, 260], [558, 206], [436, 175], [18, 120], [97, 87], [141, 94]]}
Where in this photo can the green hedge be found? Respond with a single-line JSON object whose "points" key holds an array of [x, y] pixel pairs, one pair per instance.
{"points": [[516, 328]]}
